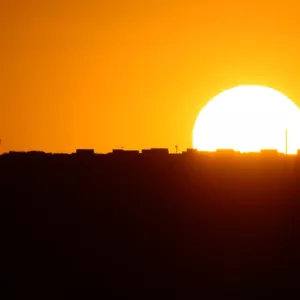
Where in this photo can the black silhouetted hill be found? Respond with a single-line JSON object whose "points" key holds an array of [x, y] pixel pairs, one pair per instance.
{"points": [[127, 221]]}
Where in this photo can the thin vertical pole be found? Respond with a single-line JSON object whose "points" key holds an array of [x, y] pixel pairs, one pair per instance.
{"points": [[286, 141]]}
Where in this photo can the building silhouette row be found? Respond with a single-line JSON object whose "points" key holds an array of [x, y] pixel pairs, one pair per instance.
{"points": [[153, 152]]}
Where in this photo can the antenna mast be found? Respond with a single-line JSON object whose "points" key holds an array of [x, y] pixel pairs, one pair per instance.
{"points": [[286, 141]]}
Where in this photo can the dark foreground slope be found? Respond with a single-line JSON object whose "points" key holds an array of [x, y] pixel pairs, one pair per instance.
{"points": [[132, 223]]}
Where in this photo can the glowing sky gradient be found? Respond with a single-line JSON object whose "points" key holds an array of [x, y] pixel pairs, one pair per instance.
{"points": [[105, 74]]}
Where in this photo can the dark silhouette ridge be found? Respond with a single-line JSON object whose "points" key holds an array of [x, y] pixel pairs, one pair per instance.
{"points": [[128, 221]]}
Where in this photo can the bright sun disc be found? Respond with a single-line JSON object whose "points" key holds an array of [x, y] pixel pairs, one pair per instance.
{"points": [[248, 119]]}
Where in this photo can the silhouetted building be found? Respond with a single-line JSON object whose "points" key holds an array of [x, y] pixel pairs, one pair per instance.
{"points": [[131, 152], [204, 152], [156, 151], [190, 150], [226, 152], [85, 151], [99, 154], [269, 152], [115, 151], [128, 153], [37, 153], [250, 154]]}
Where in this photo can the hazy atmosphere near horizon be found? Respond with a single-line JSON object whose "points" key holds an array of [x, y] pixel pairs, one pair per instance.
{"points": [[106, 74]]}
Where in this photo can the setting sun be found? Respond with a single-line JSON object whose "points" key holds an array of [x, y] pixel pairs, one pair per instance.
{"points": [[248, 119]]}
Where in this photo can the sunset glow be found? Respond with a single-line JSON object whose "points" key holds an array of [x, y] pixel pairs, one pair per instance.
{"points": [[106, 74], [248, 119]]}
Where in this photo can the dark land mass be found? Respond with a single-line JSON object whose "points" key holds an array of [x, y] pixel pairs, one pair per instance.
{"points": [[130, 223]]}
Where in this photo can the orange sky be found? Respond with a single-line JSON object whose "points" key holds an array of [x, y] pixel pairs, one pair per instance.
{"points": [[77, 74]]}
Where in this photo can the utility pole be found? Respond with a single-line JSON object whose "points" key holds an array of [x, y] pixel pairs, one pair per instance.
{"points": [[176, 147], [286, 141]]}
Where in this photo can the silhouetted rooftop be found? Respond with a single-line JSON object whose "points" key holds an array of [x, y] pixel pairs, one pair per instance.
{"points": [[121, 151], [156, 151], [161, 151], [85, 151], [227, 151], [190, 150]]}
